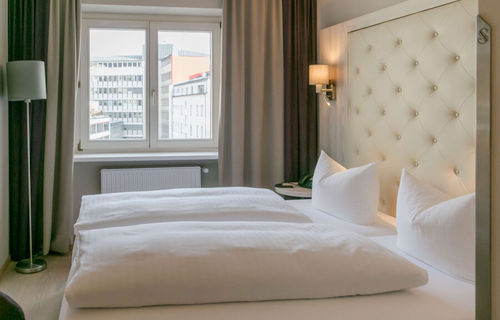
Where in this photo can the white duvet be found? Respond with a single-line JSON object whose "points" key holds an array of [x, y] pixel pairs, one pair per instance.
{"points": [[201, 204], [203, 262]]}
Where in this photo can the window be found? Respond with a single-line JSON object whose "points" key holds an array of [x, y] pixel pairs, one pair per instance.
{"points": [[137, 75]]}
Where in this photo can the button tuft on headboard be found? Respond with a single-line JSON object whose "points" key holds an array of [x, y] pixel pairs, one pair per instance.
{"points": [[419, 115]]}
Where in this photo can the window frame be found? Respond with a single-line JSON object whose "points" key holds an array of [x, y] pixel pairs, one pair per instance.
{"points": [[83, 120], [150, 143], [186, 144]]}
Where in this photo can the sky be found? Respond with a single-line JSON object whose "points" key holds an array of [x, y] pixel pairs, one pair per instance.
{"points": [[130, 42]]}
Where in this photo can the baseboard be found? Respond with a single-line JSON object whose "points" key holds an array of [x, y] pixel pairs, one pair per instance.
{"points": [[4, 267]]}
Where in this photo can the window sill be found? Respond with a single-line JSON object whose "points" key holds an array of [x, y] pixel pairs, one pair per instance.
{"points": [[144, 156]]}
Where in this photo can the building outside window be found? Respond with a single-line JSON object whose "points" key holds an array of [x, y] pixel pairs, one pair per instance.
{"points": [[182, 117]]}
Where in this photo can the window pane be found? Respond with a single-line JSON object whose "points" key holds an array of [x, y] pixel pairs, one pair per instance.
{"points": [[184, 78], [117, 84]]}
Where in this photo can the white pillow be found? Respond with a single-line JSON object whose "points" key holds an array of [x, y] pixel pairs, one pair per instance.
{"points": [[435, 228], [349, 194]]}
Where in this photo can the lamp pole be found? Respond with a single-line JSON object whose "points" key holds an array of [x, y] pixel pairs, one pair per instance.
{"points": [[26, 82], [30, 265]]}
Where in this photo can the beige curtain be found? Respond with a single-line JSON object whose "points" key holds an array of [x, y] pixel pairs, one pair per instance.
{"points": [[62, 80], [251, 124]]}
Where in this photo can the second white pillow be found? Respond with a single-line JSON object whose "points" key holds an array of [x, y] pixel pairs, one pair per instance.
{"points": [[436, 228], [348, 194]]}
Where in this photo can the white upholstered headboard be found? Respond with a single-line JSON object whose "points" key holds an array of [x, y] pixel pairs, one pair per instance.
{"points": [[410, 99]]}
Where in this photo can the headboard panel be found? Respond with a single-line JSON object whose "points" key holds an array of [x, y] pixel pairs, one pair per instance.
{"points": [[411, 99]]}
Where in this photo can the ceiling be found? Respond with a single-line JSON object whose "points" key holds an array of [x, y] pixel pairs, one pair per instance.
{"points": [[331, 12]]}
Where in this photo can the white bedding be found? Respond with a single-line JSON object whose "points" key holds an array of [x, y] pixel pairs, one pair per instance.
{"points": [[442, 298], [202, 204], [206, 262], [384, 224]]}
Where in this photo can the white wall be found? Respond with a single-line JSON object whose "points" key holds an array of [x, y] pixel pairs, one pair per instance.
{"points": [[4, 152], [331, 12], [155, 7], [160, 3]]}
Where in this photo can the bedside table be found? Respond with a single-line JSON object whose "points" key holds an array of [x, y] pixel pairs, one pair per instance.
{"points": [[292, 190]]}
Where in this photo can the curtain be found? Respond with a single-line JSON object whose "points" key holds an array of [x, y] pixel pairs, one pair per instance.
{"points": [[300, 107], [62, 82], [27, 40], [48, 31], [251, 123]]}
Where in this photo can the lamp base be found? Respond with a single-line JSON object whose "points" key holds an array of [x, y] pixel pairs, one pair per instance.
{"points": [[25, 266]]}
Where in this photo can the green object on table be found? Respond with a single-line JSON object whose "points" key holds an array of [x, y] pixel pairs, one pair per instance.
{"points": [[306, 181]]}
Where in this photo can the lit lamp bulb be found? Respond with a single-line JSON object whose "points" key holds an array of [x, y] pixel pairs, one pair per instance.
{"points": [[321, 76]]}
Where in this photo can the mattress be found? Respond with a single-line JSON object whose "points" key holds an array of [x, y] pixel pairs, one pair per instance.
{"points": [[442, 298]]}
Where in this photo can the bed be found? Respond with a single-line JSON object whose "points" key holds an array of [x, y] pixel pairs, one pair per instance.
{"points": [[390, 129], [444, 297]]}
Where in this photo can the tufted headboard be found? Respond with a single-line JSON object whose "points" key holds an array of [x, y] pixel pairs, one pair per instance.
{"points": [[411, 99]]}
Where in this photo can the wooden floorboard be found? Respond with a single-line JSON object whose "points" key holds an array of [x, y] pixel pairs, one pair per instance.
{"points": [[39, 294]]}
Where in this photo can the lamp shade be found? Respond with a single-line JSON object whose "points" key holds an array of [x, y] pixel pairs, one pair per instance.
{"points": [[319, 74], [26, 80]]}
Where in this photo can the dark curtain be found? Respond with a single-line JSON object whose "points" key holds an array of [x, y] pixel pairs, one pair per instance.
{"points": [[28, 38], [301, 124]]}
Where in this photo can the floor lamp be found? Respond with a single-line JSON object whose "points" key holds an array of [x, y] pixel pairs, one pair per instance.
{"points": [[26, 82]]}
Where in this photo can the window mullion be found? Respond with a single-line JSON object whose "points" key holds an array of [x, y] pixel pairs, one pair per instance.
{"points": [[153, 90]]}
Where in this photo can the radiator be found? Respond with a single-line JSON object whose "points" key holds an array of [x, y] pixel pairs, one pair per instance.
{"points": [[146, 179]]}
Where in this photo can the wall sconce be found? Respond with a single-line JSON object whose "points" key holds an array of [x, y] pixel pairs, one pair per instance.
{"points": [[322, 76]]}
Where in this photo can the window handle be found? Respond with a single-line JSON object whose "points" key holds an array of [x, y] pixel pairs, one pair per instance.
{"points": [[153, 93]]}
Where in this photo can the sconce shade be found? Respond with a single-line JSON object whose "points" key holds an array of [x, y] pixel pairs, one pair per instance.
{"points": [[319, 74], [26, 80]]}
